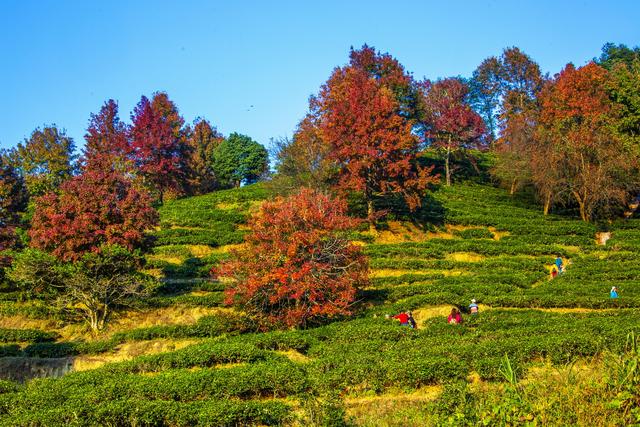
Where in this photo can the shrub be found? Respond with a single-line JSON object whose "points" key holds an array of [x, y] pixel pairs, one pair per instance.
{"points": [[297, 269]]}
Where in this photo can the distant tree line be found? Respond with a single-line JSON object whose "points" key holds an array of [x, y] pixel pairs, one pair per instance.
{"points": [[372, 130], [573, 138], [85, 216]]}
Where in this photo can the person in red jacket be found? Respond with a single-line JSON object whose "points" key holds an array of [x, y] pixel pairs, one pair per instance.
{"points": [[455, 317], [403, 318]]}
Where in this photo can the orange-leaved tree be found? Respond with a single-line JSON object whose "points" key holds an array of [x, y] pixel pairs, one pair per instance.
{"points": [[577, 123], [297, 266], [367, 121]]}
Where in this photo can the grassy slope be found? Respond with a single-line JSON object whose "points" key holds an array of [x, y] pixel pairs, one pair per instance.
{"points": [[494, 249]]}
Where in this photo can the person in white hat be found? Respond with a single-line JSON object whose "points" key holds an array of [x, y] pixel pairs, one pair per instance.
{"points": [[473, 307]]}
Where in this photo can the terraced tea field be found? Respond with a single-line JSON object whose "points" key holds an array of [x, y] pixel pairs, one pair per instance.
{"points": [[182, 360]]}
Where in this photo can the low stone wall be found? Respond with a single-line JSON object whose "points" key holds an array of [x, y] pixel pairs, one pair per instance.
{"points": [[22, 369]]}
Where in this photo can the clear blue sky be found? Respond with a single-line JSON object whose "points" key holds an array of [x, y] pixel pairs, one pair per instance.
{"points": [[60, 60]]}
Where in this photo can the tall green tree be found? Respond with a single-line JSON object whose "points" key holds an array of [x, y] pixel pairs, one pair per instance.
{"points": [[624, 89], [239, 159], [485, 92], [613, 54], [45, 160]]}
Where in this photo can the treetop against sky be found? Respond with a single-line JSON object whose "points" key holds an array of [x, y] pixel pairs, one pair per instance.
{"points": [[250, 66]]}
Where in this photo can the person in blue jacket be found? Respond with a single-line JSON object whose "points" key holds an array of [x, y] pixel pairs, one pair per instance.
{"points": [[473, 307], [613, 293], [560, 265]]}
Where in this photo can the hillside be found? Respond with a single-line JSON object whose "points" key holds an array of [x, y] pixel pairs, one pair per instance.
{"points": [[182, 359]]}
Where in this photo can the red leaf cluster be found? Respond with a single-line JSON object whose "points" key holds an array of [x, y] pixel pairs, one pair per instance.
{"points": [[156, 144], [297, 267], [99, 206], [452, 122], [362, 119]]}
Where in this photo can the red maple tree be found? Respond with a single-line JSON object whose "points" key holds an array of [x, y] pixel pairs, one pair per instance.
{"points": [[107, 139], [99, 206], [156, 147], [451, 124], [371, 140], [297, 266]]}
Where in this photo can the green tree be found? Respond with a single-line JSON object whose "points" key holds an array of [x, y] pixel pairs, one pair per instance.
{"points": [[624, 89], [94, 286], [239, 159], [13, 201], [45, 160], [613, 54]]}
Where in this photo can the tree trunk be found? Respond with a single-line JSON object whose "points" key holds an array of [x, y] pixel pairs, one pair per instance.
{"points": [[447, 170], [370, 215], [512, 191], [547, 203], [93, 321], [583, 206], [583, 213]]}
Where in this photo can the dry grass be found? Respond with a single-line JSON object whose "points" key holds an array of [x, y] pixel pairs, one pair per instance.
{"points": [[392, 408], [423, 314], [399, 232], [294, 356], [171, 259], [226, 248], [174, 315], [200, 293], [155, 272], [66, 332], [575, 310], [128, 351], [253, 205], [497, 235], [464, 257], [199, 251], [389, 272]]}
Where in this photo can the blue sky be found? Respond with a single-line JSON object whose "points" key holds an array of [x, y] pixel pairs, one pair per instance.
{"points": [[60, 60]]}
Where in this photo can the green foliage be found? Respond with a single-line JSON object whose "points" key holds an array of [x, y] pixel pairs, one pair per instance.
{"points": [[233, 373], [474, 233], [45, 160], [239, 159], [25, 335]]}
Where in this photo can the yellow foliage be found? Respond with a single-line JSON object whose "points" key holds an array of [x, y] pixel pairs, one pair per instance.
{"points": [[381, 409], [128, 351], [199, 251], [464, 257], [294, 356]]}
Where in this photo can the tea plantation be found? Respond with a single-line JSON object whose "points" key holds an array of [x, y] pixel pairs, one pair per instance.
{"points": [[476, 242]]}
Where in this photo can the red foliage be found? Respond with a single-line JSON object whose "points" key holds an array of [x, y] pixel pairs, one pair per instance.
{"points": [[156, 147], [451, 122], [100, 206], [371, 140], [297, 267], [107, 138]]}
